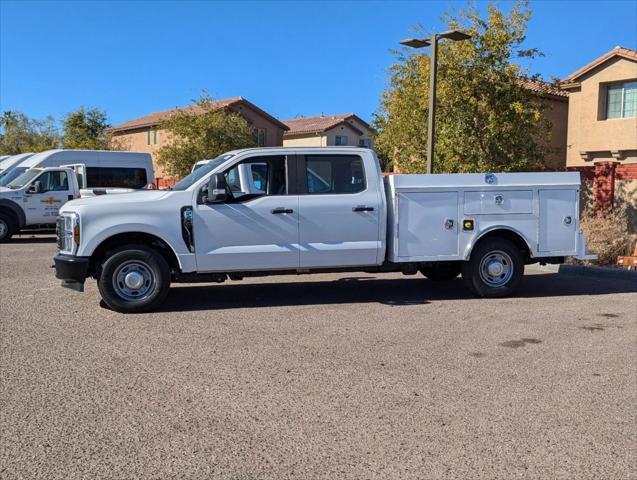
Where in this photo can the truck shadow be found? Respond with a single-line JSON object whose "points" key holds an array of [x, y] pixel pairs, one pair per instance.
{"points": [[28, 238], [394, 292]]}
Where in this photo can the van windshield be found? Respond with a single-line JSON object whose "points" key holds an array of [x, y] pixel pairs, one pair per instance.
{"points": [[11, 176], [201, 172]]}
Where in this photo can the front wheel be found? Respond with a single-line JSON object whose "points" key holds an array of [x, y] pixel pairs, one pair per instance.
{"points": [[7, 228], [495, 268], [134, 279]]}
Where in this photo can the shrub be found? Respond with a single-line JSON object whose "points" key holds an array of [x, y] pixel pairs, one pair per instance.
{"points": [[607, 234]]}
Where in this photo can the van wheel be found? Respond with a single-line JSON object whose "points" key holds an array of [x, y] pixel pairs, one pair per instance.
{"points": [[134, 279], [442, 273], [7, 228], [495, 268]]}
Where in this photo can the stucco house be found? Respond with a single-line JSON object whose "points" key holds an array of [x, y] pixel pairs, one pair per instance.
{"points": [[555, 102], [602, 125], [144, 135], [328, 130]]}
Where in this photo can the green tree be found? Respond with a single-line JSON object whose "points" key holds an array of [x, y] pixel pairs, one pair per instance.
{"points": [[21, 134], [485, 119], [199, 132], [86, 129]]}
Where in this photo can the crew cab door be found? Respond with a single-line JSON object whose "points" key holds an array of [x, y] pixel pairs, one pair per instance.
{"points": [[256, 229], [339, 212], [47, 193]]}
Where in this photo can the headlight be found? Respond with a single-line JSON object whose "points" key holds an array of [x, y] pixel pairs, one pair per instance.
{"points": [[68, 232]]}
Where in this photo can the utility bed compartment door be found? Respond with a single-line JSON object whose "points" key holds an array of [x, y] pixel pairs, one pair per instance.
{"points": [[495, 202], [558, 221], [428, 224]]}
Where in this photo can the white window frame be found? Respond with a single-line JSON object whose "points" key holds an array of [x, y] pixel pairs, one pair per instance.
{"points": [[338, 142], [622, 101]]}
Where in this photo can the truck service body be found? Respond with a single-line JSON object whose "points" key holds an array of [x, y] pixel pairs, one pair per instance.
{"points": [[49, 179], [303, 210]]}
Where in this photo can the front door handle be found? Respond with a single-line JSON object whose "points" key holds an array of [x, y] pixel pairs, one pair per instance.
{"points": [[362, 208], [281, 210]]}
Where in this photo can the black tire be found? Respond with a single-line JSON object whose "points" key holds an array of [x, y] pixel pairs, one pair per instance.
{"points": [[7, 228], [129, 264], [507, 268], [442, 273]]}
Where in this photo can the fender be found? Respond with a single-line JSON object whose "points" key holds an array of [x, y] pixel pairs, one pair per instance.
{"points": [[185, 259], [469, 249], [15, 208]]}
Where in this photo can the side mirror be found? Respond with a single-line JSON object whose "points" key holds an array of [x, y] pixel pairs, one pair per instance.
{"points": [[35, 187], [217, 189]]}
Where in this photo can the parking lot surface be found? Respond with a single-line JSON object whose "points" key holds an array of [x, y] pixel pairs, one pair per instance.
{"points": [[326, 376]]}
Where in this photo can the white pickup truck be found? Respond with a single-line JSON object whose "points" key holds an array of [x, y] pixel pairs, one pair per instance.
{"points": [[32, 200], [308, 210]]}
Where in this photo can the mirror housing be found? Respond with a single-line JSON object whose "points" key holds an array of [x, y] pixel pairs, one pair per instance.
{"points": [[217, 188], [35, 187]]}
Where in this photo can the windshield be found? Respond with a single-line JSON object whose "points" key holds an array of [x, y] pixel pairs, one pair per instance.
{"points": [[12, 175], [201, 172], [23, 179]]}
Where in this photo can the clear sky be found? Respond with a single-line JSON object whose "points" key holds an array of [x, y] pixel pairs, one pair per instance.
{"points": [[289, 58]]}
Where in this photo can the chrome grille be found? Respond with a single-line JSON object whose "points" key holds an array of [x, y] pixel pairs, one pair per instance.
{"points": [[59, 231]]}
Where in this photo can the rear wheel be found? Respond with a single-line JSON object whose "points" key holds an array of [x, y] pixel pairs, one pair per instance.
{"points": [[133, 279], [495, 268], [441, 273], [7, 228]]}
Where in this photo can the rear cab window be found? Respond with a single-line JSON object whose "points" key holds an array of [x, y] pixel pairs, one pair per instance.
{"points": [[334, 174]]}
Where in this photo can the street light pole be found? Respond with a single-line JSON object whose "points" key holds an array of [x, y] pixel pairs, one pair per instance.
{"points": [[431, 122], [433, 75]]}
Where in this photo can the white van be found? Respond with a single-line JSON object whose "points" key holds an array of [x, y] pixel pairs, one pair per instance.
{"points": [[9, 163], [97, 170]]}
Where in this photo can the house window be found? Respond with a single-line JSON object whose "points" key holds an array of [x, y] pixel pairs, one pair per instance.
{"points": [[365, 142], [621, 100], [341, 139], [262, 137], [151, 136]]}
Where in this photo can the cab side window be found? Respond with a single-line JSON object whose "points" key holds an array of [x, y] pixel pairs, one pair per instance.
{"points": [[233, 179], [258, 176], [54, 181], [334, 174]]}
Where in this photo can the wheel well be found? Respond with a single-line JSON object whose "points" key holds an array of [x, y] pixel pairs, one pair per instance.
{"points": [[10, 214], [510, 235], [133, 238]]}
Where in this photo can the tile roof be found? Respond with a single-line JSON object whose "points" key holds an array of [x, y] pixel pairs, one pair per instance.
{"points": [[543, 88], [321, 123], [617, 51], [156, 117]]}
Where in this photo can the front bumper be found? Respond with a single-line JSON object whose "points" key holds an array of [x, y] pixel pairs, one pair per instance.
{"points": [[71, 270]]}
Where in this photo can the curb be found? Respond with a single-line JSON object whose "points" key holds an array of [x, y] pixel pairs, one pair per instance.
{"points": [[591, 271]]}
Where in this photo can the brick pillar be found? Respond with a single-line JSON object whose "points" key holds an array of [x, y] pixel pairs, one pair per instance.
{"points": [[604, 186]]}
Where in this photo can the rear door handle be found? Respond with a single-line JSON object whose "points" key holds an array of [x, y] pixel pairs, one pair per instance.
{"points": [[362, 208], [281, 210]]}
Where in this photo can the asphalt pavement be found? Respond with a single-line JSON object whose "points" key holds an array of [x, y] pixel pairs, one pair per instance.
{"points": [[350, 376]]}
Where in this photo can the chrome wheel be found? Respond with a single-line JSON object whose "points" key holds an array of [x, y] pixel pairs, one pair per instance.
{"points": [[4, 228], [496, 268], [134, 280]]}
